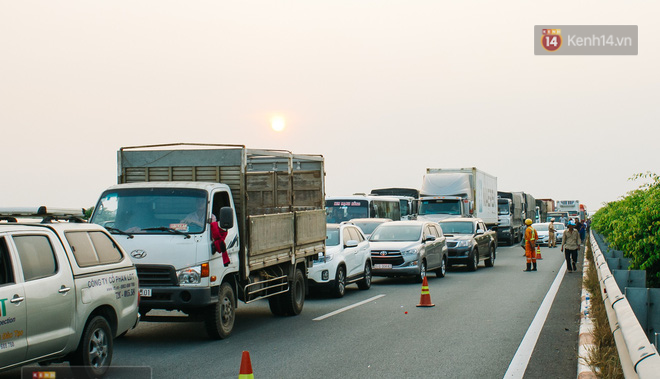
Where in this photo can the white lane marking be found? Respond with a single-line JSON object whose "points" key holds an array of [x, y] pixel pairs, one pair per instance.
{"points": [[338, 311], [521, 359]]}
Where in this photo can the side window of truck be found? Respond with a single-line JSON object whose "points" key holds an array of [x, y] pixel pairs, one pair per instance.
{"points": [[93, 248], [6, 270], [220, 199], [36, 255]]}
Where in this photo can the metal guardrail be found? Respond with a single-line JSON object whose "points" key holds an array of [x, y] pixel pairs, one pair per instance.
{"points": [[639, 358]]}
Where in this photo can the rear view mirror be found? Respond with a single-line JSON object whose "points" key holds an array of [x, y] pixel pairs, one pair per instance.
{"points": [[351, 243], [226, 218], [429, 238]]}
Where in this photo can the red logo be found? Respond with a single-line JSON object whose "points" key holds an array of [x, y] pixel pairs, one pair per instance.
{"points": [[551, 39]]}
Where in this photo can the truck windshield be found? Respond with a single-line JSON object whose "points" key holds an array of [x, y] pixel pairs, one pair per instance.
{"points": [[431, 207], [344, 210], [152, 211], [503, 208], [457, 227]]}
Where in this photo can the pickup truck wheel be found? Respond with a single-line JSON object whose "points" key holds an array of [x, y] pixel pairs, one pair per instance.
{"points": [[491, 257], [220, 317], [294, 299], [340, 282], [474, 260], [365, 283], [94, 353], [422, 272], [442, 271]]}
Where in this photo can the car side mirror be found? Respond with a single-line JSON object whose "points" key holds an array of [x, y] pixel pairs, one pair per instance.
{"points": [[226, 218], [351, 243], [429, 238], [480, 231]]}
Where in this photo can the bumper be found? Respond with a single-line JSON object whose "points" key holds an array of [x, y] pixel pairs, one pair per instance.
{"points": [[458, 255], [404, 269], [322, 275], [504, 233], [174, 298]]}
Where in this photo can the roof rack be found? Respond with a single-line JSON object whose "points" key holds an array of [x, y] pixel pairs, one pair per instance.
{"points": [[47, 214]]}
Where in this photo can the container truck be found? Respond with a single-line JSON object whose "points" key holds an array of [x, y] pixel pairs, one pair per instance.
{"points": [[529, 207], [269, 207], [462, 192], [510, 224], [570, 206]]}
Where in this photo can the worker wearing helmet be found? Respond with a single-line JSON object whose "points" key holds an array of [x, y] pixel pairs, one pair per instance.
{"points": [[530, 246], [552, 241]]}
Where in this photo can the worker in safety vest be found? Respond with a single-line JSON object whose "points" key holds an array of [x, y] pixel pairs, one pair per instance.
{"points": [[530, 245]]}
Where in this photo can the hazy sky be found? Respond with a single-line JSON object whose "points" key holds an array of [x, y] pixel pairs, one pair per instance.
{"points": [[382, 89]]}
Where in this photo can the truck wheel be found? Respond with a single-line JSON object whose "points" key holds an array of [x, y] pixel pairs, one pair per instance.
{"points": [[340, 282], [491, 258], [474, 260], [220, 317], [94, 353], [365, 283], [294, 299], [275, 304]]}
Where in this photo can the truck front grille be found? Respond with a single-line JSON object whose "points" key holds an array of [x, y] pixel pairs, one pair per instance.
{"points": [[156, 275]]}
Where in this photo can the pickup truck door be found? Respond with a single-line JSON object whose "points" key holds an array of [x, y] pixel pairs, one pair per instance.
{"points": [[483, 241], [49, 292], [13, 312]]}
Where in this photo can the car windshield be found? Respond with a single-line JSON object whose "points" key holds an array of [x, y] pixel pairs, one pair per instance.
{"points": [[396, 233], [540, 227], [367, 227], [332, 236], [457, 227], [559, 226], [152, 210], [430, 207]]}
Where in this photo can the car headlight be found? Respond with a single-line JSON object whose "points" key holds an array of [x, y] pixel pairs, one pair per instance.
{"points": [[328, 257], [463, 243], [190, 275], [409, 252]]}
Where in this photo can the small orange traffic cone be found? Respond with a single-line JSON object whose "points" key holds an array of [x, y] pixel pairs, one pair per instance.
{"points": [[425, 299], [538, 252], [246, 367]]}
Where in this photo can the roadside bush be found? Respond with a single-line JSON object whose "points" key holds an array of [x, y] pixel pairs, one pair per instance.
{"points": [[632, 225]]}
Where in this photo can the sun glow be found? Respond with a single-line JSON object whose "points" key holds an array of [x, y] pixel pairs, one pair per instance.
{"points": [[277, 123]]}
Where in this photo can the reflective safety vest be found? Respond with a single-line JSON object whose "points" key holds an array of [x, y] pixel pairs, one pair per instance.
{"points": [[530, 235]]}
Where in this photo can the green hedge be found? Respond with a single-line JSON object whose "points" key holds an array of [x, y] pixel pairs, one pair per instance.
{"points": [[632, 225]]}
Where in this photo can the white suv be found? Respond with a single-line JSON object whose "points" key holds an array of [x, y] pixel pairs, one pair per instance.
{"points": [[347, 259], [66, 290]]}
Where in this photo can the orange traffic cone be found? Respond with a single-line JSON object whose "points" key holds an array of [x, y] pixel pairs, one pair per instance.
{"points": [[246, 367], [538, 252], [425, 299]]}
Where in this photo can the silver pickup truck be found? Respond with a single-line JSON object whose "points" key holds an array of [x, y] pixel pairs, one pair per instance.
{"points": [[66, 290]]}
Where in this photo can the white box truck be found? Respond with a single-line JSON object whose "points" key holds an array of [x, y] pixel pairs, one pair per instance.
{"points": [[270, 209], [461, 192]]}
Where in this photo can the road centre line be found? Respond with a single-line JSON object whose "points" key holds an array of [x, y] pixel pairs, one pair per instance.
{"points": [[521, 359], [338, 311]]}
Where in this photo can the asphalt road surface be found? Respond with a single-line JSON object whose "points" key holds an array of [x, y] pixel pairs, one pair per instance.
{"points": [[474, 330]]}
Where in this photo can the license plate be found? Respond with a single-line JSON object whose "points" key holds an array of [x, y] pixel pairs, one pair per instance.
{"points": [[382, 265], [145, 292]]}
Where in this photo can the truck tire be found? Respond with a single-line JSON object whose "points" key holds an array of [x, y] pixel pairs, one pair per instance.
{"points": [[294, 299], [220, 316], [473, 260], [365, 282], [94, 354], [275, 304], [490, 262]]}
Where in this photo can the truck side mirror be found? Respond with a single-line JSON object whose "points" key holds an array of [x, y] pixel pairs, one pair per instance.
{"points": [[226, 218]]}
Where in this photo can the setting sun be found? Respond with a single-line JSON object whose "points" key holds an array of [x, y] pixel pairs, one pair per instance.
{"points": [[277, 123]]}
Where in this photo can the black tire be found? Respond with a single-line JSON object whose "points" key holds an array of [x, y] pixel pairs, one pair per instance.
{"points": [[419, 278], [340, 282], [365, 282], [94, 354], [220, 316], [442, 271], [275, 303], [294, 299], [473, 261], [490, 262]]}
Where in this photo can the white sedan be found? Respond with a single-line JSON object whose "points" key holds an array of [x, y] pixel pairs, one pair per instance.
{"points": [[544, 235]]}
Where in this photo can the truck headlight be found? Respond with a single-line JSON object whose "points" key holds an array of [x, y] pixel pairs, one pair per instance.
{"points": [[190, 275], [504, 222], [463, 243], [409, 252]]}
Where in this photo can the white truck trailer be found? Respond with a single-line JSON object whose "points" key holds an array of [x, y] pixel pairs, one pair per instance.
{"points": [[462, 192], [269, 205]]}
